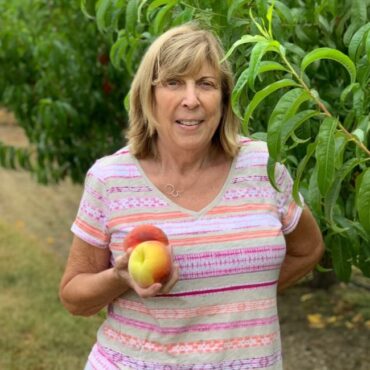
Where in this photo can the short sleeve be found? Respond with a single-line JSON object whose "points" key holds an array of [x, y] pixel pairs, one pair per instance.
{"points": [[289, 211], [91, 221]]}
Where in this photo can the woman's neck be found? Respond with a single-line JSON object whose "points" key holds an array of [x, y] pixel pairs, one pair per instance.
{"points": [[183, 162]]}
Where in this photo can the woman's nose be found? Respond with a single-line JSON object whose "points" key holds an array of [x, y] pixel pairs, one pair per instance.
{"points": [[190, 98]]}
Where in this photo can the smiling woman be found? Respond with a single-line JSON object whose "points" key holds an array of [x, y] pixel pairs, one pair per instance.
{"points": [[187, 114], [233, 238]]}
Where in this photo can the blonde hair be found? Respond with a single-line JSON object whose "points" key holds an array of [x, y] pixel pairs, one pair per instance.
{"points": [[179, 52]]}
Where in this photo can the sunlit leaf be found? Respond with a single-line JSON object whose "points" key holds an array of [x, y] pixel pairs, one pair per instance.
{"points": [[333, 54], [258, 51], [246, 39]]}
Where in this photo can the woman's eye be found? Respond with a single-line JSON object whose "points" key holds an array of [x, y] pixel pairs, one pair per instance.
{"points": [[207, 84], [173, 83]]}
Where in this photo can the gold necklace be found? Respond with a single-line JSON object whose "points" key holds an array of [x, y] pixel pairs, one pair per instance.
{"points": [[171, 190]]}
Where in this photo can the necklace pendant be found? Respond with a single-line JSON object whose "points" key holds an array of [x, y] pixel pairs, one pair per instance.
{"points": [[171, 190]]}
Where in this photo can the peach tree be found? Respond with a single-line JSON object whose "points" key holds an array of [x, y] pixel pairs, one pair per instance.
{"points": [[57, 79], [302, 85]]}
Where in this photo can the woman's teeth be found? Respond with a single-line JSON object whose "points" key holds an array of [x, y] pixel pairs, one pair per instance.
{"points": [[188, 122]]}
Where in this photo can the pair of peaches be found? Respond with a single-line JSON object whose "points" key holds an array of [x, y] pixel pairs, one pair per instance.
{"points": [[150, 259]]}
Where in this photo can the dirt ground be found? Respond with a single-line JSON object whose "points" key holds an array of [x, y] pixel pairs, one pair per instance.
{"points": [[321, 330]]}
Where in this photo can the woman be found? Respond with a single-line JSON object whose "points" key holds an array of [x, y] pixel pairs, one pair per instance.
{"points": [[234, 239]]}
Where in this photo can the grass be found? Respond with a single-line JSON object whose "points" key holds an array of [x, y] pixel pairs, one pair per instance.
{"points": [[36, 331]]}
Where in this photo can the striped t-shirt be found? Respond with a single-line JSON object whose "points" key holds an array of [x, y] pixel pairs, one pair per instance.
{"points": [[222, 313]]}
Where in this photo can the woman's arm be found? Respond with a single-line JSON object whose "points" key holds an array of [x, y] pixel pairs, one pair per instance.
{"points": [[89, 283], [305, 248]]}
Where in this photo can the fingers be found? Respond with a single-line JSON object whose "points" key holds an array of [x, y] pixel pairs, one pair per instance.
{"points": [[171, 280], [151, 291]]}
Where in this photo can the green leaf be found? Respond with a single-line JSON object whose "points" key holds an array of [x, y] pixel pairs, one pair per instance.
{"points": [[359, 12], [296, 121], [363, 200], [333, 54], [162, 16], [357, 40], [358, 102], [154, 5], [269, 65], [102, 8], [265, 66], [131, 16], [285, 108], [258, 51], [325, 154], [314, 196], [341, 142], [271, 166], [88, 8], [261, 95], [342, 257], [118, 51], [269, 14], [333, 193], [347, 91], [126, 102], [234, 7], [367, 46], [300, 170], [283, 12], [238, 89], [246, 39]]}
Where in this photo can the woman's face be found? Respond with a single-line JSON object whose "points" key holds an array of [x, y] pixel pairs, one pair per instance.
{"points": [[188, 110]]}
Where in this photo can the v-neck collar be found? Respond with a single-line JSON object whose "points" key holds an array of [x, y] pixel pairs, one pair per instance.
{"points": [[177, 207]]}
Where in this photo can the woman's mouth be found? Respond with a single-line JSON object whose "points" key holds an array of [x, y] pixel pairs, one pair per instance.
{"points": [[188, 122]]}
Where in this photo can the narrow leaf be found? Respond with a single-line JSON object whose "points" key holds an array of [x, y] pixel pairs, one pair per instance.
{"points": [[154, 5], [347, 91], [367, 46], [325, 154], [238, 89], [102, 8], [333, 54], [271, 166], [246, 39], [131, 16], [314, 196], [296, 121], [265, 66], [258, 51], [160, 18], [300, 170], [363, 200], [262, 94], [341, 256], [285, 108], [284, 12], [357, 40], [333, 193]]}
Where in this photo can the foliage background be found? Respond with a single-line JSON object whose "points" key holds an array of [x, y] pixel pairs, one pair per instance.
{"points": [[302, 84], [57, 80]]}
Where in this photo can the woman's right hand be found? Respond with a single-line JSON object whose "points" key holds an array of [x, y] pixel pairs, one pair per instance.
{"points": [[121, 270]]}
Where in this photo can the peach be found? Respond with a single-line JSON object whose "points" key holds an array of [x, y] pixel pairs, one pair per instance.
{"points": [[144, 233], [149, 263]]}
